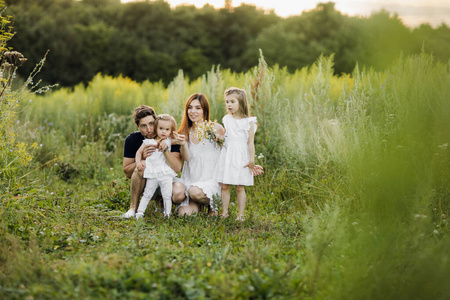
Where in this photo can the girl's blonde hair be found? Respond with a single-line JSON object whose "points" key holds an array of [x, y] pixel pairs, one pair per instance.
{"points": [[242, 98], [166, 117]]}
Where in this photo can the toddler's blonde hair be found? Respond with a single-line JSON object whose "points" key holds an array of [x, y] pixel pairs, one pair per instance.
{"points": [[166, 117]]}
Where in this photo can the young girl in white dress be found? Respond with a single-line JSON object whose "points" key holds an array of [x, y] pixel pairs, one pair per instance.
{"points": [[236, 164], [156, 169]]}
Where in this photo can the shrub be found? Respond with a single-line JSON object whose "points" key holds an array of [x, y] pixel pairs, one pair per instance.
{"points": [[15, 150]]}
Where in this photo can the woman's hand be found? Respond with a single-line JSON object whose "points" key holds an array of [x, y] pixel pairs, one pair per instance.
{"points": [[219, 137], [178, 139], [219, 132]]}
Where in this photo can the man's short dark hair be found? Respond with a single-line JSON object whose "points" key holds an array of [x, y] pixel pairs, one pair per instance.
{"points": [[142, 112]]}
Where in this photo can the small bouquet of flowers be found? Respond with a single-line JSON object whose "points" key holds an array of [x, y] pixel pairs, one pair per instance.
{"points": [[205, 131]]}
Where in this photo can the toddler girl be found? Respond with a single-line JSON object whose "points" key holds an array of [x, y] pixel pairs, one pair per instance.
{"points": [[236, 164], [156, 169]]}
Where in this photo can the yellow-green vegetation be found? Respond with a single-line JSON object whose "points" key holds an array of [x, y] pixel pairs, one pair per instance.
{"points": [[353, 203], [152, 40], [14, 154]]}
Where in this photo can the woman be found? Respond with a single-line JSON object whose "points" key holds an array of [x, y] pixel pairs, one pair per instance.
{"points": [[197, 186]]}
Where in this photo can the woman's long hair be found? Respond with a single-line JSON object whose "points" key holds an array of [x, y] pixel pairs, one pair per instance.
{"points": [[186, 123]]}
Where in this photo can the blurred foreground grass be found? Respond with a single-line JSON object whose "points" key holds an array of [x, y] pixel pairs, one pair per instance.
{"points": [[353, 205]]}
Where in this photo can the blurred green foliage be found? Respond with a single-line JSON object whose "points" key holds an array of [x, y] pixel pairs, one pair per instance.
{"points": [[15, 152], [353, 205], [354, 202], [149, 40]]}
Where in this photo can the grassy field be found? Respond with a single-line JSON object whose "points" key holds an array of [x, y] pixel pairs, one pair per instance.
{"points": [[353, 205]]}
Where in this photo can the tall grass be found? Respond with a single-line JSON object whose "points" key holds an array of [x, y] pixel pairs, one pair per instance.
{"points": [[385, 229], [353, 204]]}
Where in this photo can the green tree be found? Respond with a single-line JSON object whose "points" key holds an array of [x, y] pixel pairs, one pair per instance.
{"points": [[383, 39], [150, 40], [238, 29], [300, 40], [435, 41]]}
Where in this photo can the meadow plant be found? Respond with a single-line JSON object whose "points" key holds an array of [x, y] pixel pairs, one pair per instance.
{"points": [[83, 108], [384, 216], [353, 203], [213, 86], [177, 95], [15, 148]]}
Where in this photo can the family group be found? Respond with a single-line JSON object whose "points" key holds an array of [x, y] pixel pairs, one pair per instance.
{"points": [[212, 158]]}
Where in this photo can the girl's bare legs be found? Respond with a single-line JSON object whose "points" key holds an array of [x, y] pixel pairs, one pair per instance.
{"points": [[240, 191], [225, 199]]}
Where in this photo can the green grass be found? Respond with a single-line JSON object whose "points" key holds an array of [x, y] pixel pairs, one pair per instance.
{"points": [[71, 247], [353, 205]]}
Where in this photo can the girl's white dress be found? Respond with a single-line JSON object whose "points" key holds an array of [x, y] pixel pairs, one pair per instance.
{"points": [[199, 170], [235, 154]]}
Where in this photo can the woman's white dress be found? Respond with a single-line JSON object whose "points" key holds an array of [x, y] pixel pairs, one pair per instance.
{"points": [[235, 154], [199, 170]]}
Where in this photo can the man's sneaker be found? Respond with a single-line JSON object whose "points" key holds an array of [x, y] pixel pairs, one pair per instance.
{"points": [[139, 216], [129, 214]]}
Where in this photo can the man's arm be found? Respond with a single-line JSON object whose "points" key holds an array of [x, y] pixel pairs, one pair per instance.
{"points": [[129, 164], [140, 163], [173, 160], [129, 154]]}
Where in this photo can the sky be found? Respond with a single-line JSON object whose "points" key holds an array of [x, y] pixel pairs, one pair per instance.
{"points": [[412, 12]]}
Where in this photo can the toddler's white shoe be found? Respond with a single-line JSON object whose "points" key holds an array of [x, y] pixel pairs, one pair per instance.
{"points": [[139, 216], [129, 214]]}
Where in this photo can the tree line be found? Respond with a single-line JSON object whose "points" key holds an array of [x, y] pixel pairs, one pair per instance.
{"points": [[149, 40]]}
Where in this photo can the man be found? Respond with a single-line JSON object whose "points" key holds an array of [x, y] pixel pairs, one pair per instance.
{"points": [[144, 117]]}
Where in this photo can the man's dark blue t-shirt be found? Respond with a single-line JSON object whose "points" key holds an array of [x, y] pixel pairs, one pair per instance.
{"points": [[134, 140]]}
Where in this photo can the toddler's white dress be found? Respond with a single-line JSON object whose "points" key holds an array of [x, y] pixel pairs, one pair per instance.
{"points": [[234, 155], [156, 165], [199, 170], [158, 174]]}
